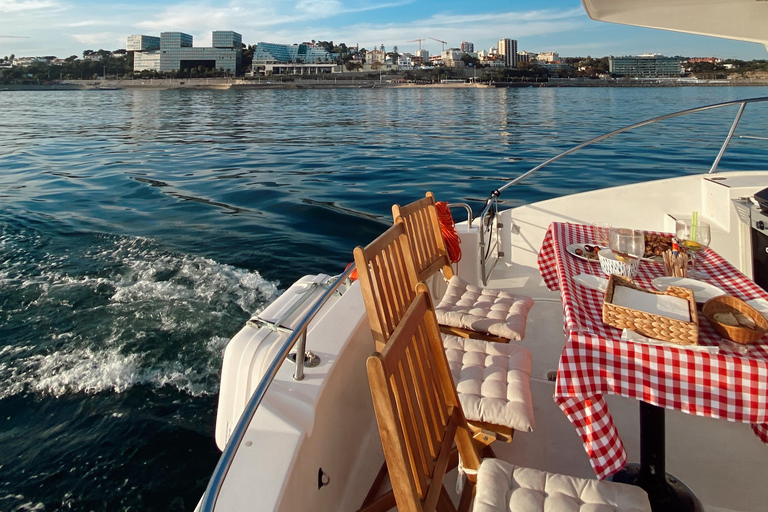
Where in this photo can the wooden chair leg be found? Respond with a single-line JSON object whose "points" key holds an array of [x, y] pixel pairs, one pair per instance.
{"points": [[467, 495], [385, 502], [382, 504], [444, 503]]}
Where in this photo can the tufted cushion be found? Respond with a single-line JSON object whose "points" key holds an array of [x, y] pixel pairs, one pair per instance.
{"points": [[503, 487], [484, 310], [493, 381]]}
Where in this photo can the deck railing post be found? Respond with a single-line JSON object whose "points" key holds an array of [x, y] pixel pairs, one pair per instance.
{"points": [[301, 345], [728, 138]]}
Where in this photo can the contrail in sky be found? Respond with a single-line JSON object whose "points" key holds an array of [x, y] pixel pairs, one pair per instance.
{"points": [[15, 37]]}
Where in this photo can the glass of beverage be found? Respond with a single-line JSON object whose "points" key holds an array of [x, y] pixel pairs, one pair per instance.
{"points": [[600, 231], [695, 237], [628, 245]]}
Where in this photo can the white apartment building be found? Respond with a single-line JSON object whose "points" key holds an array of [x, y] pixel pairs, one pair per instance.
{"points": [[146, 61], [548, 57], [375, 56], [508, 50], [526, 56]]}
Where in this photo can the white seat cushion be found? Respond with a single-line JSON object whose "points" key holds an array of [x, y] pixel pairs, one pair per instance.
{"points": [[503, 487], [493, 381], [483, 310]]}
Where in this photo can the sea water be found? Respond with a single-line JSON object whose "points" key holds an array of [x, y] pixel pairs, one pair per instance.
{"points": [[140, 229]]}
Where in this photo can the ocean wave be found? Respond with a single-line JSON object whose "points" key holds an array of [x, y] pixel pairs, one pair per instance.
{"points": [[118, 312], [83, 370]]}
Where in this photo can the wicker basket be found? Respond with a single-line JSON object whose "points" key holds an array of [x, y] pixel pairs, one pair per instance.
{"points": [[729, 304], [647, 324]]}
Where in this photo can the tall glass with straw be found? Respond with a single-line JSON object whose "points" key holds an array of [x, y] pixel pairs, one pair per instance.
{"points": [[695, 236]]}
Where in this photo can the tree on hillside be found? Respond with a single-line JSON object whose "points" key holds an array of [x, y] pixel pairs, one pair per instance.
{"points": [[327, 45], [474, 61]]}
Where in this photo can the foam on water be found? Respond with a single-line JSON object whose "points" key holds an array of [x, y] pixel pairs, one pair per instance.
{"points": [[82, 370], [117, 313]]}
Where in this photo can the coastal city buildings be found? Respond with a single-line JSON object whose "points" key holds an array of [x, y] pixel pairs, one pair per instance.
{"points": [[549, 57], [146, 52], [508, 52], [173, 51], [276, 59], [646, 66], [526, 57]]}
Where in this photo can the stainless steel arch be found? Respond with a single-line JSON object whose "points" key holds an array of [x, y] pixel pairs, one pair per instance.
{"points": [[491, 203]]}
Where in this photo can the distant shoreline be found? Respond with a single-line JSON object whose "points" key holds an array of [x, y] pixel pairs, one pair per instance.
{"points": [[345, 83]]}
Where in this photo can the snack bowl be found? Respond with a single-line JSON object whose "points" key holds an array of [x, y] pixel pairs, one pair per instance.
{"points": [[611, 265], [717, 310]]}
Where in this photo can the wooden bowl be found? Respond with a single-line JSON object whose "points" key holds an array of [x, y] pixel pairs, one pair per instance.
{"points": [[739, 334]]}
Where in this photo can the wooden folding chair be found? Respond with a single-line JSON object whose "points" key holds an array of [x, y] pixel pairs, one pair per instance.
{"points": [[388, 281], [420, 417], [465, 310], [495, 407], [419, 414]]}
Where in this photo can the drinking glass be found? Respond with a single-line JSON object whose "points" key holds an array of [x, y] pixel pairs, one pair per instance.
{"points": [[601, 230], [695, 239], [627, 245]]}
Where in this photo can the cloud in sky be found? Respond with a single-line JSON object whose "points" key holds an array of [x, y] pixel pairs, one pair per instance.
{"points": [[65, 27], [8, 6]]}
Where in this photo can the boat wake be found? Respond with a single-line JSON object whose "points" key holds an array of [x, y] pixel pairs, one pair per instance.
{"points": [[109, 313]]}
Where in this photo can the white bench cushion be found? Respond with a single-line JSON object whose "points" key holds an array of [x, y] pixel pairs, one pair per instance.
{"points": [[503, 487], [493, 381], [483, 310]]}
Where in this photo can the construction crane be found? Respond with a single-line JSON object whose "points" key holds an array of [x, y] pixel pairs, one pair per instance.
{"points": [[440, 41], [419, 40]]}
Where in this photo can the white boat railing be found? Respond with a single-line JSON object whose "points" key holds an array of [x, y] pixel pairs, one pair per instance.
{"points": [[298, 336], [488, 213]]}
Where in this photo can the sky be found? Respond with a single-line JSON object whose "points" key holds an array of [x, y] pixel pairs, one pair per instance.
{"points": [[30, 28]]}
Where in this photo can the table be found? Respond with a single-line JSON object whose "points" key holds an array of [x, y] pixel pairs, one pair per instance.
{"points": [[595, 361]]}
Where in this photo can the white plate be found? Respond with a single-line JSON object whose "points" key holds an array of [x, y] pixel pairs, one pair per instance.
{"points": [[572, 250], [702, 291]]}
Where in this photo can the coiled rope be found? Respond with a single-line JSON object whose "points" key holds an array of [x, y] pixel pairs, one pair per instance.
{"points": [[448, 229]]}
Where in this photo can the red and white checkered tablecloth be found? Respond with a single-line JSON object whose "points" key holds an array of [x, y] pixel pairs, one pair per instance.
{"points": [[595, 361]]}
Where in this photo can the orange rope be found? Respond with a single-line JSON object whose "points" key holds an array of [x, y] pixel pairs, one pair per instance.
{"points": [[353, 274], [448, 229]]}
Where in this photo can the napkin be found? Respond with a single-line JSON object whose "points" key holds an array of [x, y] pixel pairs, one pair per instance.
{"points": [[628, 335], [590, 281], [655, 304]]}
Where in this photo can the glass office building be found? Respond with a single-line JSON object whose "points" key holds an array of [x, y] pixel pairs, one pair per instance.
{"points": [[142, 43], [227, 39], [177, 53], [175, 40], [646, 66], [272, 53]]}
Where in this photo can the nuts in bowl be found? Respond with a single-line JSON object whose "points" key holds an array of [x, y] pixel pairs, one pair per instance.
{"points": [[655, 245]]}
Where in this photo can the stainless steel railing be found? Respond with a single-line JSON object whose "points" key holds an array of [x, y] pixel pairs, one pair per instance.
{"points": [[297, 336], [491, 204]]}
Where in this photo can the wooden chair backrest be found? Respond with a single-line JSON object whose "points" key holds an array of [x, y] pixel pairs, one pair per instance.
{"points": [[418, 410], [427, 244], [387, 279]]}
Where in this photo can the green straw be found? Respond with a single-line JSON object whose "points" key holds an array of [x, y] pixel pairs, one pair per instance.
{"points": [[694, 223]]}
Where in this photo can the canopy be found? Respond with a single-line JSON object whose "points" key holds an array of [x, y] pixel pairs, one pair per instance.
{"points": [[745, 20]]}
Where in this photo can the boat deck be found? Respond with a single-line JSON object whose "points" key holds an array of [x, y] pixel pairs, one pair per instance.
{"points": [[722, 462]]}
